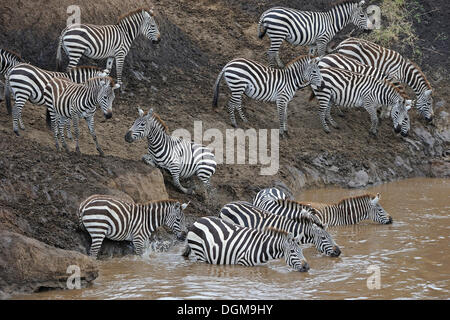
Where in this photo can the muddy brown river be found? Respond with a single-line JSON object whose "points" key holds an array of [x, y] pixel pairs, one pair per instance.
{"points": [[406, 260]]}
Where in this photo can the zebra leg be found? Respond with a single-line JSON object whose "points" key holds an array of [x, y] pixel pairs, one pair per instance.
{"points": [[17, 115], [176, 181], [322, 47], [90, 122], [234, 103], [322, 115], [68, 130], [329, 118], [74, 58], [273, 53], [241, 113], [61, 125], [96, 244], [77, 132], [120, 57], [109, 63], [139, 245], [282, 115], [149, 160], [54, 127], [373, 118]]}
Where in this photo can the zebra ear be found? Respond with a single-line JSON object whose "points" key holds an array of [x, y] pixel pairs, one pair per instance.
{"points": [[116, 86], [361, 3], [141, 112], [427, 93], [375, 200], [184, 205], [150, 113], [103, 73]]}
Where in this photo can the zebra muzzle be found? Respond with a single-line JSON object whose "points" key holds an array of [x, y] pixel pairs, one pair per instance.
{"points": [[336, 252], [304, 267], [128, 137], [108, 115]]}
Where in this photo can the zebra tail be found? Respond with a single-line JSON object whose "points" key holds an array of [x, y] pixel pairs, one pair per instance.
{"points": [[216, 89], [7, 96], [187, 251], [48, 119], [261, 28], [58, 52]]}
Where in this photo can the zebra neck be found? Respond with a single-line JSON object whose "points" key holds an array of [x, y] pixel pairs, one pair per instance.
{"points": [[273, 246], [293, 75], [414, 78], [351, 212], [151, 214], [157, 138], [130, 28], [340, 15]]}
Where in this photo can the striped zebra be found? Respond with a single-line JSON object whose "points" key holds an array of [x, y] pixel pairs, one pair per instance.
{"points": [[393, 64], [261, 83], [304, 226], [267, 195], [109, 41], [26, 82], [104, 216], [8, 59], [308, 28], [181, 158], [69, 100], [350, 89], [215, 241]]}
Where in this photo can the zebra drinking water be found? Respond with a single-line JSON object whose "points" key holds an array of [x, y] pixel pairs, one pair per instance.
{"points": [[215, 241], [395, 66], [308, 28], [27, 83], [181, 158], [304, 226], [261, 83], [109, 41], [68, 100], [109, 217]]}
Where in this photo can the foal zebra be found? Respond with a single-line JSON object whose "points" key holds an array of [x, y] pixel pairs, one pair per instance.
{"points": [[26, 83], [109, 41], [304, 226], [308, 28], [350, 89], [181, 158], [261, 83], [68, 100], [393, 64], [8, 59], [106, 216], [215, 241]]}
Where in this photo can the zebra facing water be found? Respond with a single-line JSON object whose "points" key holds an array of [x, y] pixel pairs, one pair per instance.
{"points": [[307, 27], [304, 226], [393, 64], [104, 216], [107, 41], [68, 100], [181, 158], [26, 82], [215, 241], [261, 83], [350, 89]]}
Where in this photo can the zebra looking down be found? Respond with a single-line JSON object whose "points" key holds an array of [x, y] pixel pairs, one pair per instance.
{"points": [[27, 83], [304, 226], [261, 83], [393, 64], [181, 158], [108, 41], [307, 27], [68, 100], [215, 241], [109, 217], [350, 89]]}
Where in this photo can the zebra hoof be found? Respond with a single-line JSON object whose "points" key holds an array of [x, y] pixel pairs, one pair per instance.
{"points": [[101, 153], [17, 132]]}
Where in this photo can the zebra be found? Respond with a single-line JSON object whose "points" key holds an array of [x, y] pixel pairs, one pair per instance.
{"points": [[26, 82], [104, 216], [69, 100], [107, 41], [308, 28], [304, 225], [215, 241], [181, 158], [350, 89], [261, 83], [268, 194], [8, 59], [393, 64]]}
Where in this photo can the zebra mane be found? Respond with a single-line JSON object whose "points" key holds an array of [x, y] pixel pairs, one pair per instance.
{"points": [[297, 59], [342, 3], [132, 13], [86, 67], [162, 201], [13, 53], [274, 232], [364, 196], [398, 88], [312, 216], [420, 72], [111, 80], [161, 122]]}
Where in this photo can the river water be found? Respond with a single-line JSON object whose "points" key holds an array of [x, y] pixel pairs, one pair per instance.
{"points": [[406, 260]]}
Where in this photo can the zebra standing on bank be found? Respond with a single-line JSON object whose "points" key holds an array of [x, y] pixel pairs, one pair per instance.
{"points": [[109, 41], [308, 28], [68, 100], [393, 64], [181, 158], [261, 83], [104, 216], [215, 241], [349, 89], [26, 82], [304, 226]]}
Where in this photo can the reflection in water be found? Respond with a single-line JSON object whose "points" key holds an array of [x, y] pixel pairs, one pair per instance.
{"points": [[411, 254]]}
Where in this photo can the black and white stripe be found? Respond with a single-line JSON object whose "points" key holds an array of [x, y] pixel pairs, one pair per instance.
{"points": [[304, 226], [265, 196], [215, 241], [109, 217], [393, 64], [8, 59], [181, 158], [349, 89], [261, 83], [26, 82], [307, 27], [68, 100], [108, 41]]}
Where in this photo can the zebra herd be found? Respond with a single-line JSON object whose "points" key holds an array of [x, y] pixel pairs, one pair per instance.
{"points": [[357, 73]]}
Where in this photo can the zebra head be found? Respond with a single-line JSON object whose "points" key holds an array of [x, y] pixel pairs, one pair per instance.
{"points": [[106, 95], [176, 221], [312, 73], [293, 254], [424, 104], [400, 117], [359, 17], [377, 213], [149, 28], [140, 127]]}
